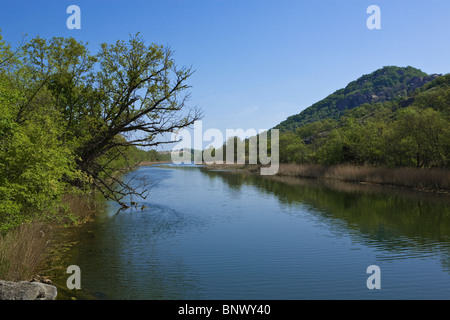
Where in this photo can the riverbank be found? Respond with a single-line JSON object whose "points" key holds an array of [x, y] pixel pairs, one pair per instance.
{"points": [[29, 251], [149, 163], [435, 179]]}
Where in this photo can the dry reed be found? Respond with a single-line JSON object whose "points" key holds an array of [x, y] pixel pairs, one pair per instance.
{"points": [[81, 207], [432, 179], [22, 250]]}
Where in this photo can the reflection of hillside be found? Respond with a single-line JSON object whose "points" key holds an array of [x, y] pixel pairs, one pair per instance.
{"points": [[390, 219]]}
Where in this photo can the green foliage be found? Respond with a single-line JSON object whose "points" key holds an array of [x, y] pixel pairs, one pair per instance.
{"points": [[32, 163], [409, 132], [292, 149], [385, 84], [424, 136], [314, 129], [65, 113]]}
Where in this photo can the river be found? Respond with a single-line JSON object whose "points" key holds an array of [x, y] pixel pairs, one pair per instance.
{"points": [[207, 234]]}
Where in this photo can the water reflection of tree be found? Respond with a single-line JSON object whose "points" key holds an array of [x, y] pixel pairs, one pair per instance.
{"points": [[126, 244], [397, 221]]}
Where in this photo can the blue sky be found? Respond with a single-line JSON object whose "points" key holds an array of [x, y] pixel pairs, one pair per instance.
{"points": [[257, 61]]}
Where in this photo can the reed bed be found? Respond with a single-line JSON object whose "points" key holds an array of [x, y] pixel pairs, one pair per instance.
{"points": [[22, 250], [432, 179]]}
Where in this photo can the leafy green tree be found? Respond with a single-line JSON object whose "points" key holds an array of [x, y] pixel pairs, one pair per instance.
{"points": [[333, 150], [32, 161], [70, 119], [292, 148], [424, 136], [127, 89]]}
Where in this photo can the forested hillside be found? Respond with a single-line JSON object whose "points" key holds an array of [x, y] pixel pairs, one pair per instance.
{"points": [[394, 117], [410, 131], [385, 84]]}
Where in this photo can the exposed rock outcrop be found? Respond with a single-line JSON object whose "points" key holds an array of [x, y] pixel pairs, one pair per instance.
{"points": [[25, 290]]}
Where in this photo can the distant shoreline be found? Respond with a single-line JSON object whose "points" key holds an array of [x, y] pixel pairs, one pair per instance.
{"points": [[435, 179], [148, 163]]}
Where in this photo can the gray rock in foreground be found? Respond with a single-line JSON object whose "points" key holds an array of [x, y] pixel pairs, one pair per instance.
{"points": [[25, 290]]}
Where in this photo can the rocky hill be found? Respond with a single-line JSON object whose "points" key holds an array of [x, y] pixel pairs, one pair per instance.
{"points": [[385, 84]]}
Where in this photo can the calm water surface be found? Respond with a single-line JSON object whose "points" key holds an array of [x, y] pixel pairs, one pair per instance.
{"points": [[223, 235]]}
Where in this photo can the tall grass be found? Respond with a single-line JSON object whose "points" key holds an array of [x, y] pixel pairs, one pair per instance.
{"points": [[432, 179], [22, 250]]}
